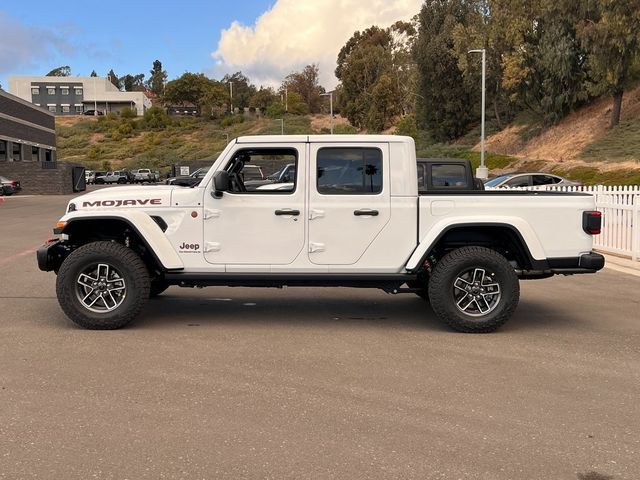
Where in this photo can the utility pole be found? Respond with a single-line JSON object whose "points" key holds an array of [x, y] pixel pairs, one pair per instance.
{"points": [[330, 95], [231, 95], [286, 100], [482, 172]]}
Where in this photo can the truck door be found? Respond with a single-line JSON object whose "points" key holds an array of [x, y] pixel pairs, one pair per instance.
{"points": [[257, 222], [349, 200]]}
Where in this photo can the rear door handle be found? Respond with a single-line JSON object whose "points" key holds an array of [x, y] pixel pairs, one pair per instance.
{"points": [[363, 212], [287, 211]]}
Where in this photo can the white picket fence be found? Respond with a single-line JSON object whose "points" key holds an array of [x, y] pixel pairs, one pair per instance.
{"points": [[620, 207]]}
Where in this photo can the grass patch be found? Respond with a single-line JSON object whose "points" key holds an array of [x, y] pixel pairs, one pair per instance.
{"points": [[593, 176], [621, 143]]}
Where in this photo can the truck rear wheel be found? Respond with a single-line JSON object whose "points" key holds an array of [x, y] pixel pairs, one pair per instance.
{"points": [[102, 285], [474, 290]]}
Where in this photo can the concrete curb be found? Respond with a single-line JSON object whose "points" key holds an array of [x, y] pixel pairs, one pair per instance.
{"points": [[623, 265]]}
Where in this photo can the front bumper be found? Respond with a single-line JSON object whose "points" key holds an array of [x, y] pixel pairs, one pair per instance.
{"points": [[51, 255]]}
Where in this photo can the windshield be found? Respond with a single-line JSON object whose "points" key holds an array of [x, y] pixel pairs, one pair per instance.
{"points": [[496, 181]]}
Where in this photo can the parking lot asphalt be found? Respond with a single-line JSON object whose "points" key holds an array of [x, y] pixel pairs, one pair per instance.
{"points": [[313, 383]]}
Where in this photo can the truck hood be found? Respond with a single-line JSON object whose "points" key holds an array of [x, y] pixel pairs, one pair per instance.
{"points": [[124, 197]]}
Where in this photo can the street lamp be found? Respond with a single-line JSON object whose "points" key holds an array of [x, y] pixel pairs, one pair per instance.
{"points": [[482, 172], [330, 95], [231, 96], [281, 120]]}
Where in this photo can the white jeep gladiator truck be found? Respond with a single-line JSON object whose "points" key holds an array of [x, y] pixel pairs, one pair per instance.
{"points": [[353, 215]]}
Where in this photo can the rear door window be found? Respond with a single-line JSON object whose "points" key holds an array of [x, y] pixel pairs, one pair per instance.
{"points": [[349, 171]]}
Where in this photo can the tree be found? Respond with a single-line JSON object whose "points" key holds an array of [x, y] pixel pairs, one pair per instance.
{"points": [[543, 64], [93, 73], [610, 34], [157, 79], [197, 89], [446, 95], [368, 96], [263, 98], [64, 71], [242, 89], [132, 83], [305, 83], [113, 78]]}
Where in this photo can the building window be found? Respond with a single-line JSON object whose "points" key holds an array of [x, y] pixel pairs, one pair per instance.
{"points": [[52, 108], [3, 150], [78, 108], [51, 90], [65, 108], [35, 90], [64, 90], [47, 156], [17, 152], [78, 90], [35, 154]]}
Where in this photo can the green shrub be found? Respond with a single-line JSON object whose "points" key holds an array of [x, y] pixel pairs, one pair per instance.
{"points": [[407, 126], [232, 120], [345, 129], [127, 112], [275, 110], [155, 118]]}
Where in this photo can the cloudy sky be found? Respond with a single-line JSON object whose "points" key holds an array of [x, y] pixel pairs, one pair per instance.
{"points": [[265, 39]]}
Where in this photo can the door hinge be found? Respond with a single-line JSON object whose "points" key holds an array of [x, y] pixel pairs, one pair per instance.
{"points": [[315, 214], [211, 247], [210, 213], [316, 247]]}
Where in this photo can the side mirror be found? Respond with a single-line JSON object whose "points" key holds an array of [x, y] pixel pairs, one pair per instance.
{"points": [[220, 183]]}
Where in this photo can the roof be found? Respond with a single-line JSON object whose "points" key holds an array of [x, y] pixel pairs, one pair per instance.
{"points": [[323, 139]]}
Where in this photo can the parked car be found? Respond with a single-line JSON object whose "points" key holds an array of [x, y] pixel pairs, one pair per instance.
{"points": [[282, 176], [118, 176], [93, 112], [9, 186], [91, 179], [145, 175], [527, 180], [188, 180]]}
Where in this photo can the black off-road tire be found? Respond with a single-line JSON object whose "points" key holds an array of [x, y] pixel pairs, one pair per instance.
{"points": [[126, 262], [157, 288], [453, 265]]}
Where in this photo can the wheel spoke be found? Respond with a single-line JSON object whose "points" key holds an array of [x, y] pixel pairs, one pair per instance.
{"points": [[103, 270], [461, 284], [478, 275], [468, 304], [86, 281]]}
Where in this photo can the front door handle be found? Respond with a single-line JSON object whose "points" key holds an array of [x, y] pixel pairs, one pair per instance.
{"points": [[363, 212], [287, 211]]}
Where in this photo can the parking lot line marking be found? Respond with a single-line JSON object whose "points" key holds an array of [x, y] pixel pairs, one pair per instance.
{"points": [[11, 258]]}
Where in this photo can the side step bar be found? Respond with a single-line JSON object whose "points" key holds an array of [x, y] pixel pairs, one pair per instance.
{"points": [[384, 281]]}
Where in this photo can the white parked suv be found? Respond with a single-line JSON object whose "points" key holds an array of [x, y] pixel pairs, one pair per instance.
{"points": [[352, 215]]}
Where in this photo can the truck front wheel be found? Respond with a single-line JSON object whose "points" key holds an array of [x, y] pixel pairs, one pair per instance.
{"points": [[102, 285], [474, 290]]}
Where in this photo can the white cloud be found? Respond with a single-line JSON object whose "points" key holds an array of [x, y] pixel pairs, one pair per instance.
{"points": [[295, 33], [23, 45]]}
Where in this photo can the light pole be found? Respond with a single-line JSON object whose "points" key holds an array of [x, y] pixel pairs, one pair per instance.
{"points": [[482, 172], [281, 120], [231, 96], [330, 95]]}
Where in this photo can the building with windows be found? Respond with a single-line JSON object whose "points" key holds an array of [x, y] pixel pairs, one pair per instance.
{"points": [[28, 149], [76, 95]]}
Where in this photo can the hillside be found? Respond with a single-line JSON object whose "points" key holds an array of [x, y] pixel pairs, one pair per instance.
{"points": [[581, 145]]}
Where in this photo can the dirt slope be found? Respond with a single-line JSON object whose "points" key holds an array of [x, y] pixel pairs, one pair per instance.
{"points": [[566, 140]]}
